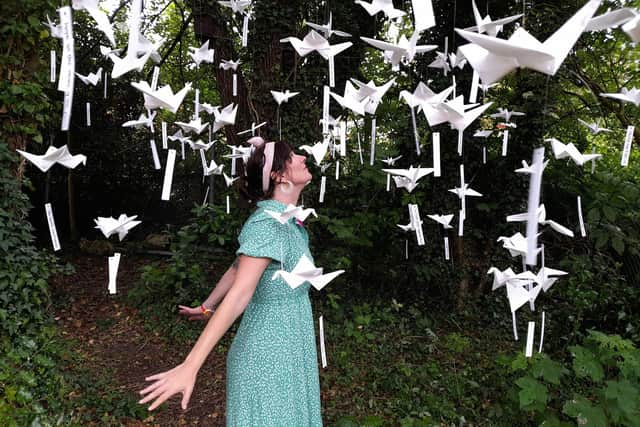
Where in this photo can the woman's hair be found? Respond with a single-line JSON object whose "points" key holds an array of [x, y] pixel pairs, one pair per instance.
{"points": [[250, 183]]}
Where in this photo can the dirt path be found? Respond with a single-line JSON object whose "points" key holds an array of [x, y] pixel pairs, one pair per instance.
{"points": [[111, 337]]}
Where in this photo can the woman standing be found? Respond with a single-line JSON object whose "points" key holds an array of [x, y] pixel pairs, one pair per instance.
{"points": [[272, 373]]}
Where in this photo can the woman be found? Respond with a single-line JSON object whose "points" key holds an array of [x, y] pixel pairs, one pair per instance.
{"points": [[272, 373]]}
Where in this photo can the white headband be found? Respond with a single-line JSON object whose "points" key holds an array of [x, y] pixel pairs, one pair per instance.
{"points": [[269, 148]]}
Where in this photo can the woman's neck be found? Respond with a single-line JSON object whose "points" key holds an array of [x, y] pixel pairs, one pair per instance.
{"points": [[290, 198]]}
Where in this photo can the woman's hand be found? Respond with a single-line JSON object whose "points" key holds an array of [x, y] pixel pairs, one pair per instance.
{"points": [[194, 313], [180, 379]]}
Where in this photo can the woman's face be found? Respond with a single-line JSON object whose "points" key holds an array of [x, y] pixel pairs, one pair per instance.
{"points": [[296, 171]]}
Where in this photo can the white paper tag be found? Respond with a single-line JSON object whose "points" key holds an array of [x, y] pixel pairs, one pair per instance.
{"points": [[154, 153], [105, 77], [593, 162], [206, 194], [627, 146], [337, 170], [484, 155], [514, 323], [164, 136], [372, 156], [323, 352], [323, 188], [203, 160], [228, 205], [52, 227], [343, 138], [416, 137], [114, 263], [154, 78], [182, 144], [196, 106], [436, 154], [461, 222], [475, 83], [235, 85], [245, 30], [168, 174], [332, 73], [423, 15], [52, 70], [418, 223], [528, 352], [388, 182], [446, 248], [505, 142], [535, 183], [406, 248], [325, 110], [359, 148], [583, 231], [541, 333], [460, 141]]}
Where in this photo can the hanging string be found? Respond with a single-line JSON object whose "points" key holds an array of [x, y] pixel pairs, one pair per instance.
{"points": [[455, 12], [544, 109]]}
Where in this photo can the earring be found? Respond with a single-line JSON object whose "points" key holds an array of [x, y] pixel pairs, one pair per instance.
{"points": [[286, 186]]}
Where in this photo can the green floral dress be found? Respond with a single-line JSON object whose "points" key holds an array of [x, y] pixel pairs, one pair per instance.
{"points": [[272, 365]]}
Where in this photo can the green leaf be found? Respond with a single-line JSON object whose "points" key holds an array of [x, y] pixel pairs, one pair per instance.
{"points": [[618, 245], [533, 394], [622, 401], [548, 370], [585, 364], [610, 213], [585, 413]]}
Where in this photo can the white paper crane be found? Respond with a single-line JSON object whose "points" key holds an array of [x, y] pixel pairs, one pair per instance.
{"points": [[351, 99], [373, 93], [91, 6], [415, 224], [202, 54], [465, 192], [213, 169], [493, 58], [237, 6], [91, 78], [626, 95], [526, 169], [486, 25], [229, 181], [54, 155], [239, 152], [423, 95], [504, 113], [208, 108], [326, 29], [229, 64], [305, 271], [317, 150], [178, 136], [562, 151], [313, 41], [500, 277], [444, 220], [593, 127], [143, 120], [54, 29], [408, 178], [519, 294], [194, 126], [122, 225], [456, 112], [391, 161], [291, 211], [516, 244], [546, 279], [542, 220], [163, 97], [200, 145], [384, 6], [628, 17], [224, 117], [252, 129], [403, 51], [281, 97]]}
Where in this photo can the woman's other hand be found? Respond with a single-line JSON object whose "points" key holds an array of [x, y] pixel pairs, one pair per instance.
{"points": [[194, 313], [180, 379]]}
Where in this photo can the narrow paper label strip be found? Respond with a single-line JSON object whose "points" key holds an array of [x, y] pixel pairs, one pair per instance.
{"points": [[541, 333], [593, 162], [627, 146], [203, 160], [418, 223], [52, 227], [154, 78], [323, 188], [475, 83], [460, 141], [323, 352], [373, 141], [67, 65], [484, 155], [514, 323], [535, 183], [164, 136], [154, 153], [343, 139], [505, 142], [245, 30], [168, 174], [406, 248], [528, 352], [461, 222], [114, 263], [196, 106], [332, 72], [206, 194], [235, 85], [182, 144], [88, 108], [423, 15], [388, 182], [415, 130], [52, 69], [583, 231], [446, 248], [436, 154], [360, 148], [105, 77], [228, 205], [337, 170], [325, 110], [463, 197]]}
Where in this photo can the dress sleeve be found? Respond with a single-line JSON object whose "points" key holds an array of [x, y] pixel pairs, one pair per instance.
{"points": [[262, 237]]}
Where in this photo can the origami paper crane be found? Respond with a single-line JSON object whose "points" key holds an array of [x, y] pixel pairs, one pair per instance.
{"points": [[505, 114], [178, 136], [91, 6], [493, 58], [626, 95], [403, 51], [200, 145], [448, 62], [628, 17], [423, 96], [326, 29], [106, 51], [194, 126], [408, 178], [313, 41], [239, 152], [531, 169], [229, 64], [390, 161], [351, 99], [459, 115], [143, 120], [384, 6], [305, 271], [227, 116], [229, 181], [542, 220], [54, 29], [213, 169], [372, 92], [237, 6], [132, 59], [202, 54], [208, 108], [291, 211], [317, 150], [54, 155], [594, 128], [122, 225], [486, 25], [415, 224], [163, 97], [500, 278], [546, 279], [483, 133], [91, 78], [516, 244], [466, 192], [253, 128], [444, 220], [562, 151], [281, 97], [518, 295]]}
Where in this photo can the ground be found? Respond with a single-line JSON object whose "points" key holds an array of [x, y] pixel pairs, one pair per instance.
{"points": [[111, 338]]}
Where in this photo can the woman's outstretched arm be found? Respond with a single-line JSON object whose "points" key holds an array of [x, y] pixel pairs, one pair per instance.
{"points": [[214, 298], [182, 378]]}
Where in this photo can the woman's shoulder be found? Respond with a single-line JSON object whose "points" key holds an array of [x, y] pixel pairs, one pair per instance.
{"points": [[261, 222]]}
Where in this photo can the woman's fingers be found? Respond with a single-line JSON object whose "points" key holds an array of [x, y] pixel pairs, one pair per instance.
{"points": [[152, 387], [186, 396], [164, 396], [157, 392]]}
